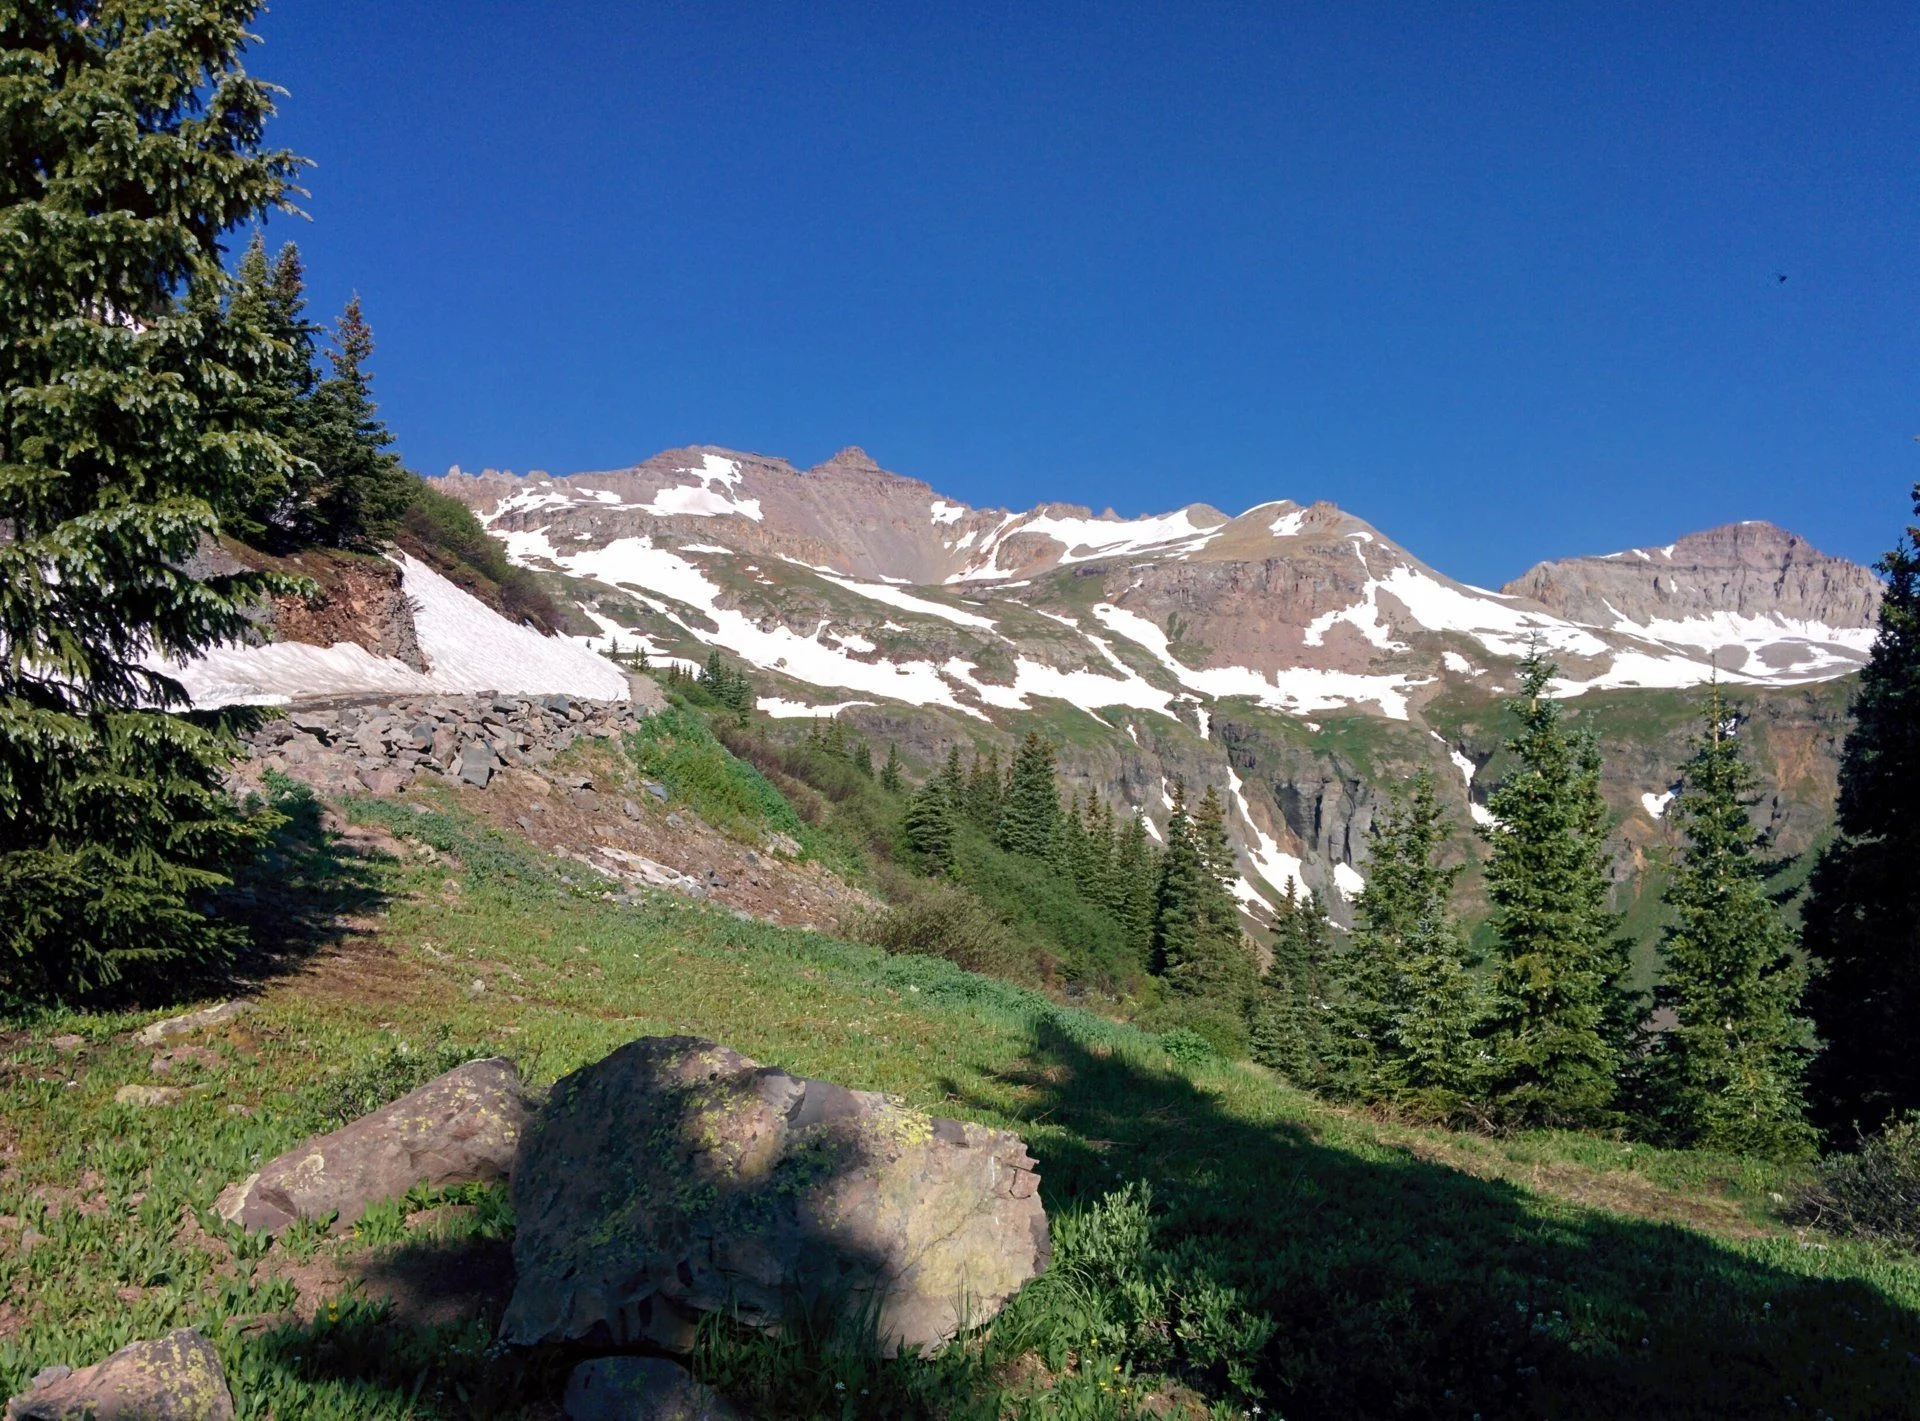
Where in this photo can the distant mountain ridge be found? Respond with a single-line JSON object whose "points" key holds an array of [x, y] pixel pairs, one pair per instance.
{"points": [[1304, 608]]}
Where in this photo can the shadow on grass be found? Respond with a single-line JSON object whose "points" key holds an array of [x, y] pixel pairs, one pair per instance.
{"points": [[1402, 1288], [299, 896]]}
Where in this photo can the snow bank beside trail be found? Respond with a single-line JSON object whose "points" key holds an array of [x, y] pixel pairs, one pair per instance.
{"points": [[471, 647], [468, 646]]}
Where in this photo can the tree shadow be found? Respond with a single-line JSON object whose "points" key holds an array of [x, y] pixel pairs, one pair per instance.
{"points": [[1399, 1287], [301, 894]]}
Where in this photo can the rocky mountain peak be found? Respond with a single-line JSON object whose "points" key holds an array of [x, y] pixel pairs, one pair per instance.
{"points": [[1750, 570]]}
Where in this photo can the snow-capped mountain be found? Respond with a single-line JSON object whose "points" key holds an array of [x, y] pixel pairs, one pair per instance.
{"points": [[1300, 609]]}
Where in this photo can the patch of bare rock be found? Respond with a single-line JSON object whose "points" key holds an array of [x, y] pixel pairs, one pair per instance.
{"points": [[461, 739]]}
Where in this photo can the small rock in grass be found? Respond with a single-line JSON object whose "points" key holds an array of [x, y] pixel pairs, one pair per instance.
{"points": [[640, 1389], [159, 1031], [656, 789], [173, 1378], [145, 1095], [67, 1041], [630, 809]]}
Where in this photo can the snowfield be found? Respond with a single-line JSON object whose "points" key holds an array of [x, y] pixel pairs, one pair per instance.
{"points": [[468, 647]]}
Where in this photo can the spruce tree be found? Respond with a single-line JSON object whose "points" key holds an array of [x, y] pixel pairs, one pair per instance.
{"points": [[929, 825], [1408, 1002], [890, 772], [1198, 945], [1290, 1029], [1137, 875], [134, 142], [1727, 1076], [1030, 813], [360, 489], [1862, 918], [1558, 1007], [983, 790]]}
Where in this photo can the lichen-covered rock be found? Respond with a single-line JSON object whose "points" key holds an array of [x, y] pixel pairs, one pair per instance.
{"points": [[676, 1178], [159, 1031], [640, 1389], [460, 1128], [173, 1378]]}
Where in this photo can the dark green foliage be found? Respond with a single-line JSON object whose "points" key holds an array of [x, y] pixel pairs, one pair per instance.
{"points": [[1557, 1011], [359, 490], [890, 772], [1198, 948], [127, 432], [732, 689], [1727, 1076], [1407, 1004], [1030, 815], [443, 533], [929, 825], [1862, 918], [1291, 1028], [1874, 1191], [985, 790]]}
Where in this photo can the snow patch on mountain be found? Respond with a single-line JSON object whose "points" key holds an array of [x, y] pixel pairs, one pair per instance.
{"points": [[468, 647], [907, 602]]}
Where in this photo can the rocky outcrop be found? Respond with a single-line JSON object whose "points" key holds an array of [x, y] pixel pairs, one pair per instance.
{"points": [[463, 739], [355, 599], [173, 1378], [640, 1389], [1747, 569], [460, 1128], [677, 1178]]}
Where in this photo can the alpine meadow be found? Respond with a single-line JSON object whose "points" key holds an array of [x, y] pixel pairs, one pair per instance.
{"points": [[723, 937]]}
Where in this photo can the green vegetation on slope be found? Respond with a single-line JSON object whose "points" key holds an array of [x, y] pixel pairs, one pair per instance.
{"points": [[1217, 1232]]}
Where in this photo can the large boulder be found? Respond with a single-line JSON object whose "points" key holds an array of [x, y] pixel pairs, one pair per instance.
{"points": [[173, 1378], [676, 1178], [640, 1389], [460, 1128]]}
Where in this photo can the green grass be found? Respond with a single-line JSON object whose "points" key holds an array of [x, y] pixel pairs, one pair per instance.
{"points": [[1218, 1233]]}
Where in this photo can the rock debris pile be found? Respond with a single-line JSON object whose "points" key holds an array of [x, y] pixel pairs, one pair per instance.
{"points": [[464, 739]]}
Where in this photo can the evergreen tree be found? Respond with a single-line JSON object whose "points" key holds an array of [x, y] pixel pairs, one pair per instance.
{"points": [[1137, 875], [1030, 814], [359, 488], [1290, 1029], [1408, 1004], [1198, 946], [890, 772], [929, 825], [1863, 914], [863, 760], [127, 433], [984, 791], [1558, 1008], [1728, 1075]]}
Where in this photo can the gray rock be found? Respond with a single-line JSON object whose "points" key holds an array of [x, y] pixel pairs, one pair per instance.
{"points": [[173, 1378], [676, 1178], [159, 1031], [630, 809], [477, 764], [459, 1128], [656, 789], [640, 1389]]}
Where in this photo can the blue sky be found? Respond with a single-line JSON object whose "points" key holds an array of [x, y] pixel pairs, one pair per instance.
{"points": [[1501, 279]]}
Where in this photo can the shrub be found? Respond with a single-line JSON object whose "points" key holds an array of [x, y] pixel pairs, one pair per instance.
{"points": [[934, 919], [1873, 1192], [1185, 1046]]}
